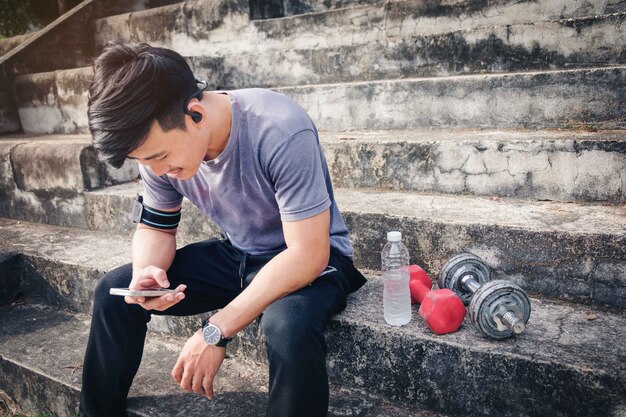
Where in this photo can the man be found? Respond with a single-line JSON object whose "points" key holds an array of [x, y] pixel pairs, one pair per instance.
{"points": [[252, 162]]}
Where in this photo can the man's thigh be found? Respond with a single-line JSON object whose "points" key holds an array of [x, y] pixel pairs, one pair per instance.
{"points": [[315, 304], [210, 270]]}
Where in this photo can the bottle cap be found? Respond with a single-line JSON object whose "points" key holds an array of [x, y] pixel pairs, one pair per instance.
{"points": [[394, 236]]}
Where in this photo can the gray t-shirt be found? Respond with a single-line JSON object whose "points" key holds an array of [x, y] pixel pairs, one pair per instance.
{"points": [[271, 170]]}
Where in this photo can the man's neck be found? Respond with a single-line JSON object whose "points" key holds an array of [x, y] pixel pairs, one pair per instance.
{"points": [[222, 121]]}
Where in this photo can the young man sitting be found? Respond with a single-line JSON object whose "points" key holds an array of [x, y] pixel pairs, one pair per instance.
{"points": [[251, 161]]}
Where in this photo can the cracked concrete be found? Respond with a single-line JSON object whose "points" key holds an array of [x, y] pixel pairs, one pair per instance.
{"points": [[54, 102], [547, 165], [566, 351], [44, 178], [540, 245], [368, 23], [529, 100], [242, 48], [36, 379]]}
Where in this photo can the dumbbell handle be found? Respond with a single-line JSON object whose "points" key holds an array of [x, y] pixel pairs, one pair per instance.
{"points": [[513, 322], [418, 290], [442, 310], [470, 283], [510, 320]]}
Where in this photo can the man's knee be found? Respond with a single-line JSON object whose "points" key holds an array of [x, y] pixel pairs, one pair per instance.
{"points": [[117, 278], [293, 335]]}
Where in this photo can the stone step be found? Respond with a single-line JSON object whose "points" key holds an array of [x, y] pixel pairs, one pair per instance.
{"points": [[582, 98], [570, 361], [41, 354], [548, 99], [55, 101], [265, 10], [224, 28], [7, 44], [543, 165], [43, 178], [565, 44], [9, 118], [563, 250]]}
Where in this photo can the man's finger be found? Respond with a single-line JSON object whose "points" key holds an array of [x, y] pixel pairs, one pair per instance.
{"points": [[177, 372], [185, 381], [196, 384], [134, 300], [145, 283], [207, 385], [163, 302], [158, 275]]}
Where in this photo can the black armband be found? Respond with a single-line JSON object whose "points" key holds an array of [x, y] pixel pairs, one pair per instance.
{"points": [[152, 217]]}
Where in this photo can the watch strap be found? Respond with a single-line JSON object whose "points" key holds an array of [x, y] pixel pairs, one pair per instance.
{"points": [[223, 340]]}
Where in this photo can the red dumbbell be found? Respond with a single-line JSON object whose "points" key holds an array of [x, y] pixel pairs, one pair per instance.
{"points": [[442, 310]]}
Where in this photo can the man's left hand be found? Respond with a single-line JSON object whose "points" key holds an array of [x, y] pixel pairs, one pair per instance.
{"points": [[197, 365]]}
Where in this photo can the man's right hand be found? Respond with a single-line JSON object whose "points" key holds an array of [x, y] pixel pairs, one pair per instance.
{"points": [[152, 277]]}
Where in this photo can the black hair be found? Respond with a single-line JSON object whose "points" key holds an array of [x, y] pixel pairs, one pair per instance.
{"points": [[134, 85]]}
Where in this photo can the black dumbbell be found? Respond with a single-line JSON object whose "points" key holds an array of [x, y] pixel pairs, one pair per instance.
{"points": [[497, 308]]}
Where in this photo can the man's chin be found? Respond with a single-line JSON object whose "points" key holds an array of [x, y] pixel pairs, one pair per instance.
{"points": [[189, 174]]}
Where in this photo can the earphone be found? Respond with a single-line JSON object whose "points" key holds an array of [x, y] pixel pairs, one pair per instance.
{"points": [[195, 116]]}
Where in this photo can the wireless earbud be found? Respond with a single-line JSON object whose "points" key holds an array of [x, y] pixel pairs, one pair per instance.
{"points": [[195, 116]]}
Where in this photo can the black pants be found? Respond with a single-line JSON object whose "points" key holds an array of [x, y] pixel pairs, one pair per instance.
{"points": [[215, 273]]}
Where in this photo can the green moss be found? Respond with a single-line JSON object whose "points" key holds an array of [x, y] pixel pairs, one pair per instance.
{"points": [[17, 17]]}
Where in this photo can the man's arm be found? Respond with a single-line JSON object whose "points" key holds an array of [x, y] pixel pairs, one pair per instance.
{"points": [[153, 252], [306, 256]]}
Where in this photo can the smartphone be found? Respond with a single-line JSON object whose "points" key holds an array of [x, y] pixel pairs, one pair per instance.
{"points": [[152, 292]]}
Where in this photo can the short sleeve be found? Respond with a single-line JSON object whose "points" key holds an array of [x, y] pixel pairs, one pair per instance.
{"points": [[295, 169], [158, 192]]}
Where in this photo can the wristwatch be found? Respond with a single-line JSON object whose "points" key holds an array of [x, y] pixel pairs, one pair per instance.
{"points": [[213, 335]]}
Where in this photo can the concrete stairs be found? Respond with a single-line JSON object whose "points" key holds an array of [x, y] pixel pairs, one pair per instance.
{"points": [[34, 331], [44, 178], [42, 371], [580, 98], [567, 251], [490, 127], [568, 362]]}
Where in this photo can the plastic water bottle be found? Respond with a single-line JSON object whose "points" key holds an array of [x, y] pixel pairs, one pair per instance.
{"points": [[396, 294]]}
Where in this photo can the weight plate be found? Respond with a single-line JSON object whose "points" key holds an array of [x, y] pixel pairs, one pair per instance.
{"points": [[494, 296], [458, 267]]}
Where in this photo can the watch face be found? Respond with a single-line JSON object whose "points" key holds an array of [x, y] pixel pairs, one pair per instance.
{"points": [[211, 334]]}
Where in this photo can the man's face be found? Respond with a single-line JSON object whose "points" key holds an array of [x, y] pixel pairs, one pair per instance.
{"points": [[177, 153]]}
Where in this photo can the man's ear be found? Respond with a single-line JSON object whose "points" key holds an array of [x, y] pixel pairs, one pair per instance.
{"points": [[196, 111]]}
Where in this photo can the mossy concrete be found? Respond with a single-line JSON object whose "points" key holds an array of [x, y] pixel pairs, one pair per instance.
{"points": [[568, 251], [537, 165], [563, 44], [41, 354], [568, 362], [560, 99], [225, 27], [523, 100], [43, 178], [54, 102]]}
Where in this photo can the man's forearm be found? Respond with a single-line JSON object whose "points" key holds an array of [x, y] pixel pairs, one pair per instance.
{"points": [[289, 271], [153, 247]]}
